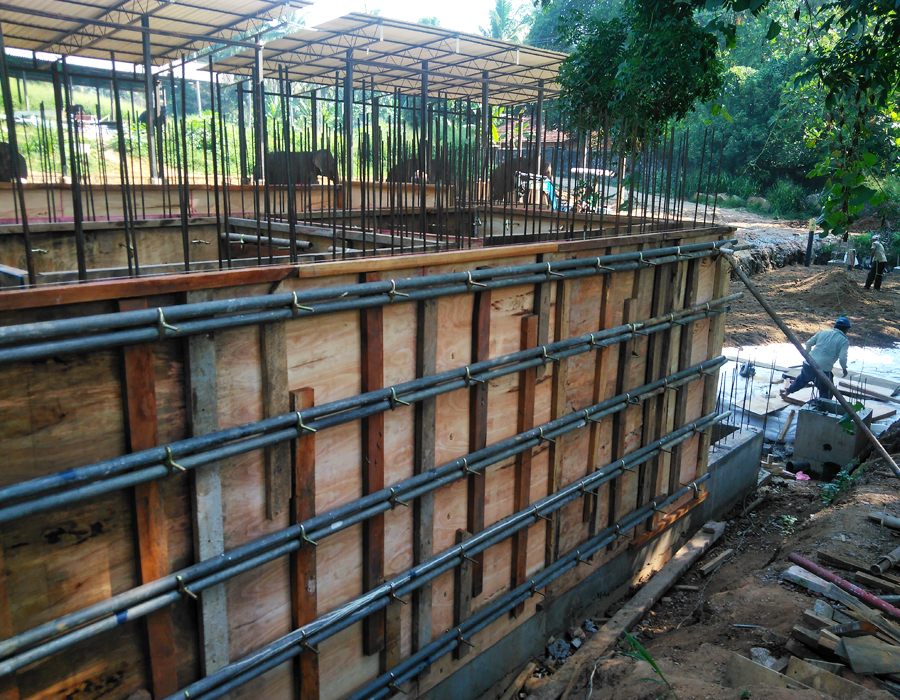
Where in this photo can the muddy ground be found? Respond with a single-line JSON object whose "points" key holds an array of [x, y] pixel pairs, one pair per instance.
{"points": [[809, 299]]}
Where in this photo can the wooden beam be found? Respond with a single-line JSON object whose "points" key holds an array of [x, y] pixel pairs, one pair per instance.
{"points": [[478, 421], [372, 374], [273, 356], [685, 352], [206, 493], [558, 410], [139, 391], [600, 432], [721, 286], [9, 685], [424, 451], [522, 490], [304, 591], [462, 593]]}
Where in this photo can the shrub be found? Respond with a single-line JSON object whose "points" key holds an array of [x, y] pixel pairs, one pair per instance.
{"points": [[787, 199]]}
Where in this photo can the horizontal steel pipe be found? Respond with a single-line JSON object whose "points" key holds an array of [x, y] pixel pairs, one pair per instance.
{"points": [[249, 239], [152, 596], [385, 685], [151, 325], [159, 461], [379, 597]]}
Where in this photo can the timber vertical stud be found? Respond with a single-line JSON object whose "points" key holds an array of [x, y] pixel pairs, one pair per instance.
{"points": [[9, 685], [462, 593], [206, 489], [558, 410], [522, 490], [273, 354], [304, 589], [372, 331], [714, 347], [140, 412], [478, 417], [425, 428]]}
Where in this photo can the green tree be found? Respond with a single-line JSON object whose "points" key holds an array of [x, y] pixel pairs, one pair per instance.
{"points": [[507, 21], [430, 21]]}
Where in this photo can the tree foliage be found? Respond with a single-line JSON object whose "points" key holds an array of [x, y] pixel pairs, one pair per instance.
{"points": [[806, 89]]}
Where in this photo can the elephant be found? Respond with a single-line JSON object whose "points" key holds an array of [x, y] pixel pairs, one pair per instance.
{"points": [[6, 164], [305, 167], [504, 181]]}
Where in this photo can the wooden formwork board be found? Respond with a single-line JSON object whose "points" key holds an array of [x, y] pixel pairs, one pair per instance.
{"points": [[72, 411]]}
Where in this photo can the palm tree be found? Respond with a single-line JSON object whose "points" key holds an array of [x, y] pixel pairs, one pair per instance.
{"points": [[508, 22]]}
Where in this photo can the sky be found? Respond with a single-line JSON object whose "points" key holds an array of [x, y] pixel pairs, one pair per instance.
{"points": [[461, 15]]}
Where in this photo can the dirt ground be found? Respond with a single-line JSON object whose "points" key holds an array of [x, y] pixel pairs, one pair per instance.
{"points": [[691, 634], [810, 299]]}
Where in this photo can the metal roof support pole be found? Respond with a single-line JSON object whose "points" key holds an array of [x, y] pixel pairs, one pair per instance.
{"points": [[149, 94], [58, 103], [539, 139], [348, 122], [314, 118], [73, 120], [14, 152], [424, 150], [485, 126], [242, 134]]}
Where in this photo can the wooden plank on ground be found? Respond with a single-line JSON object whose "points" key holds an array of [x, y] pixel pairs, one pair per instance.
{"points": [[276, 400], [478, 423], [424, 451], [572, 673], [869, 656], [765, 405], [206, 492], [304, 584], [823, 681], [150, 517], [522, 491], [372, 374]]}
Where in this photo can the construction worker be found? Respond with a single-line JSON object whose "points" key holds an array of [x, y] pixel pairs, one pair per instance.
{"points": [[879, 262], [825, 347]]}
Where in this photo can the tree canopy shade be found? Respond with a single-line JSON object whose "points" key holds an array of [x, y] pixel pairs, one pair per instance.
{"points": [[657, 59]]}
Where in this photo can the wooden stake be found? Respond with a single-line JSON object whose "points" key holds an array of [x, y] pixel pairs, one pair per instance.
{"points": [[478, 416], [462, 593], [423, 508], [273, 354], [372, 329], [558, 410], [304, 590], [150, 519], [522, 491]]}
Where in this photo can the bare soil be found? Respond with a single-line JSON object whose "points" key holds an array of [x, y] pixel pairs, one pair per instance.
{"points": [[691, 634], [809, 299]]}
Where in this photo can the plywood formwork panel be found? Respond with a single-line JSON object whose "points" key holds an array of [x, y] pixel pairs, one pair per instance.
{"points": [[324, 355]]}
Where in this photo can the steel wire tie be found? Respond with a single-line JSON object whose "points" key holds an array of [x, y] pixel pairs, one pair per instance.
{"points": [[305, 538], [538, 514], [301, 426], [296, 307], [467, 470], [462, 640], [392, 685], [470, 378], [542, 438], [393, 595], [171, 464], [551, 273], [580, 559], [394, 501], [394, 293], [306, 645], [471, 283], [183, 589], [161, 325], [394, 400], [545, 357], [604, 267], [535, 591]]}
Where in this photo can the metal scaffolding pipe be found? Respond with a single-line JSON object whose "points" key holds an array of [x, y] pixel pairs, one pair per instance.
{"points": [[160, 461], [376, 599], [151, 325], [157, 594]]}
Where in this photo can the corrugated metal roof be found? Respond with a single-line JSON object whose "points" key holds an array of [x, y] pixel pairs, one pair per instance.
{"points": [[93, 28], [391, 53]]}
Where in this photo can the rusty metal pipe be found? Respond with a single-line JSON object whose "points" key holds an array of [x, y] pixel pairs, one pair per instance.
{"points": [[886, 561], [851, 588]]}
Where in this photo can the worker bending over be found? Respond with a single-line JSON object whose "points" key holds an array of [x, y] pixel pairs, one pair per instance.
{"points": [[825, 347]]}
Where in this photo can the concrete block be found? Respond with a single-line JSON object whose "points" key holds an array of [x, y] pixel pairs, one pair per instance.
{"points": [[823, 443]]}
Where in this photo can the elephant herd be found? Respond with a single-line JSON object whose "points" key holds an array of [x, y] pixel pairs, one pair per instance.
{"points": [[311, 167]]}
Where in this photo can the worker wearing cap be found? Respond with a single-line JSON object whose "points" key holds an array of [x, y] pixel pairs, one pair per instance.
{"points": [[879, 262], [825, 347]]}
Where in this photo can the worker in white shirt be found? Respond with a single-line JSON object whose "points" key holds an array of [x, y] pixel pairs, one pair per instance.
{"points": [[879, 262], [826, 348]]}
